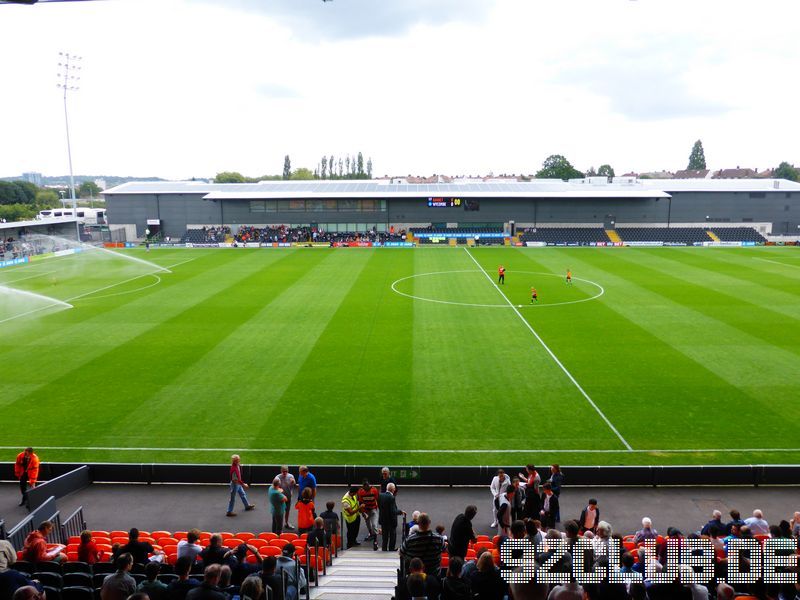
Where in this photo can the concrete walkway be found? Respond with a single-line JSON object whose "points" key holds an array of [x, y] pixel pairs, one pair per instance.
{"points": [[181, 507]]}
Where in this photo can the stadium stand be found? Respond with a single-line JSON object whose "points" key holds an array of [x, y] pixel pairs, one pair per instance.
{"points": [[738, 234], [206, 235], [444, 231], [677, 235], [564, 235]]}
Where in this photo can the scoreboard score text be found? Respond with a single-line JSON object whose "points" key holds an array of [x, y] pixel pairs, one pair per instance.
{"points": [[444, 202]]}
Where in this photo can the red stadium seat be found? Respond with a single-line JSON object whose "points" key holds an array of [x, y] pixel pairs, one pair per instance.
{"points": [[245, 535], [160, 534], [100, 533], [257, 543], [289, 537], [482, 538], [269, 551], [279, 543], [483, 545], [496, 540], [166, 541], [232, 542], [119, 533], [267, 535]]}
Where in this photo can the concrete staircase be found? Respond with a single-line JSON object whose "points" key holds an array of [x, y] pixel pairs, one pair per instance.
{"points": [[613, 236], [712, 235], [359, 574]]}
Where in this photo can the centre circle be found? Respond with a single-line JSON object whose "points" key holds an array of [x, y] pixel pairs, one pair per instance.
{"points": [[500, 304]]}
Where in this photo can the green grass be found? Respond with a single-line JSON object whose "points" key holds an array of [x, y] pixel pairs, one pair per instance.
{"points": [[304, 355]]}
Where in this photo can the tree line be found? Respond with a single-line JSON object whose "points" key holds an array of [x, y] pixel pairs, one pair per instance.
{"points": [[22, 200], [329, 167]]}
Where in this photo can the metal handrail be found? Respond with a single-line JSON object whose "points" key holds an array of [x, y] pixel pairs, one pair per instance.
{"points": [[73, 524]]}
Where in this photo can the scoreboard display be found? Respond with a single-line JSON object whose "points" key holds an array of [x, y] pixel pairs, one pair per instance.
{"points": [[444, 202]]}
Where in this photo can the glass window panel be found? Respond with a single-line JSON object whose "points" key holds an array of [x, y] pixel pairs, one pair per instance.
{"points": [[297, 205], [329, 204], [349, 205], [382, 227], [368, 205], [315, 205], [257, 206], [283, 205], [270, 206]]}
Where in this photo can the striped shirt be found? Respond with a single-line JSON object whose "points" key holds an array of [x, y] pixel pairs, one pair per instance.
{"points": [[425, 545]]}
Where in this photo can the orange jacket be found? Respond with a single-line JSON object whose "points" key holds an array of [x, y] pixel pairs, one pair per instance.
{"points": [[32, 470]]}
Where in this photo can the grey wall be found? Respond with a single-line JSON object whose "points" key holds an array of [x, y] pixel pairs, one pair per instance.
{"points": [[177, 210]]}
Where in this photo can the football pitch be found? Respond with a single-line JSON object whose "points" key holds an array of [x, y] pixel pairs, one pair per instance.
{"points": [[405, 356]]}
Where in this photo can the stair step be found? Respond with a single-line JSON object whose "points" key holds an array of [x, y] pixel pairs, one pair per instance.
{"points": [[361, 570], [345, 593]]}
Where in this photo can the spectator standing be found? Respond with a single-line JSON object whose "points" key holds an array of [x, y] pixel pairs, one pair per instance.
{"points": [[590, 517], [499, 484], [238, 486], [305, 512], [285, 563], [462, 533], [368, 505], [425, 545], [277, 504], [119, 585], [288, 485], [307, 480], [386, 479], [736, 520], [271, 580], [35, 548], [532, 481], [556, 481], [518, 501], [549, 504], [351, 513], [26, 470], [388, 513], [331, 520], [504, 518]]}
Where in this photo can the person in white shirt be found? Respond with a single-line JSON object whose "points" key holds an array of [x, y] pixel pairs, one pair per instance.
{"points": [[288, 484], [189, 547], [499, 485], [757, 524]]}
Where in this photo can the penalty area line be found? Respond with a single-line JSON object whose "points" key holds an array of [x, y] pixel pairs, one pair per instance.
{"points": [[552, 355], [419, 451]]}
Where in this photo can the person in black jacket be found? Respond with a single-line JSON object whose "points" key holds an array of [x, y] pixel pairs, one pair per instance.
{"points": [[387, 518], [208, 590], [455, 587], [549, 510], [317, 536], [462, 533], [590, 517]]}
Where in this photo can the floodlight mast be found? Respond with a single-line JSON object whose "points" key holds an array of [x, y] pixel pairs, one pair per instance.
{"points": [[68, 80]]}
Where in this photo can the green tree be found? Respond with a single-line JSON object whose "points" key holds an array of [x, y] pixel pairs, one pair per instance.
{"points": [[27, 189], [17, 212], [556, 166], [787, 171], [302, 173], [46, 198], [287, 167], [369, 168], [697, 159], [88, 189], [360, 168], [591, 172], [324, 167], [229, 177], [606, 171]]}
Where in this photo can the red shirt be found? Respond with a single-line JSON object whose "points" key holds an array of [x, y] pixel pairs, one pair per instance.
{"points": [[236, 473], [305, 514], [35, 549], [368, 499], [88, 553], [501, 271]]}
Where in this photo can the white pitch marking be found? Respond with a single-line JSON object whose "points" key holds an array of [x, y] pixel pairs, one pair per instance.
{"points": [[28, 277], [775, 262], [420, 451], [396, 291], [552, 355]]}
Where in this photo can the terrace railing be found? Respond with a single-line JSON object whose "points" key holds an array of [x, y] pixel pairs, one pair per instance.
{"points": [[73, 525], [48, 511]]}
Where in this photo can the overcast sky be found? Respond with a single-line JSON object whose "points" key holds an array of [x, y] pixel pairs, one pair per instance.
{"points": [[182, 88]]}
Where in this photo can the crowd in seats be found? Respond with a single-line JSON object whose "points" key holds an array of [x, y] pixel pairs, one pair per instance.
{"points": [[738, 234], [564, 235], [468, 566], [113, 565], [283, 233], [206, 235]]}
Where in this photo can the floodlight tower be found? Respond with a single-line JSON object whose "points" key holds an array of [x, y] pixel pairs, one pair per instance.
{"points": [[68, 80]]}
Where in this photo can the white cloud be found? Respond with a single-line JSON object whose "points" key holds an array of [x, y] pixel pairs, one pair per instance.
{"points": [[186, 88]]}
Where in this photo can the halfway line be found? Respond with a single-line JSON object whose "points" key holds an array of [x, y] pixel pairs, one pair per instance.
{"points": [[550, 352]]}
